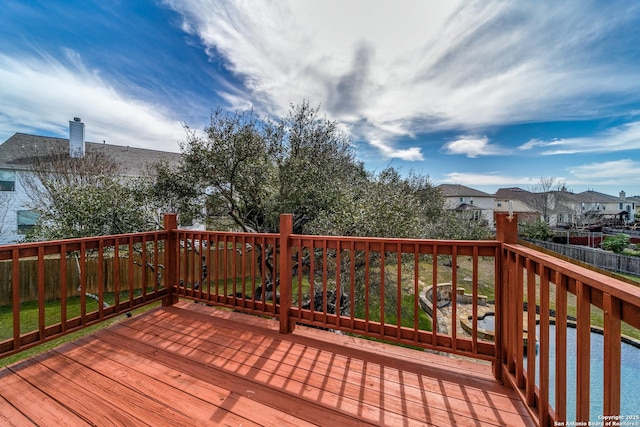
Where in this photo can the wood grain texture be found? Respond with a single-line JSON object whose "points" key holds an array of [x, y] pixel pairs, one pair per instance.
{"points": [[189, 364]]}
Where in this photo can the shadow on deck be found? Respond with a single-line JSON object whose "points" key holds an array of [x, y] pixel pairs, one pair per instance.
{"points": [[190, 364]]}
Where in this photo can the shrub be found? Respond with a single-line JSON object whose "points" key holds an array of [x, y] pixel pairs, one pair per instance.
{"points": [[616, 243], [538, 230]]}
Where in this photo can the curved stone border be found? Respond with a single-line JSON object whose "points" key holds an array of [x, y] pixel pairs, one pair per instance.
{"points": [[425, 304], [428, 306], [600, 331], [465, 322], [467, 326]]}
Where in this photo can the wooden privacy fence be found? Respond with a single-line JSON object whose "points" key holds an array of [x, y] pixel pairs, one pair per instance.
{"points": [[52, 274], [126, 269], [596, 257]]}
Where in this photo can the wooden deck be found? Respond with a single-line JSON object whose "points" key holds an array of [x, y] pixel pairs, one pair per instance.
{"points": [[192, 365]]}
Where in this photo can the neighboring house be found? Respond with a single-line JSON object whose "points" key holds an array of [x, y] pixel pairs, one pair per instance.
{"points": [[561, 207], [629, 205], [554, 207], [518, 201], [17, 154], [465, 199], [566, 209], [603, 207], [636, 201]]}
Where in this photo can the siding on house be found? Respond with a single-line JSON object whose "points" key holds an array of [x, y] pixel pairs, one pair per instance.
{"points": [[459, 197]]}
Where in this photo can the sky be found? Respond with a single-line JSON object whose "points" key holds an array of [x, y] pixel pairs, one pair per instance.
{"points": [[486, 94]]}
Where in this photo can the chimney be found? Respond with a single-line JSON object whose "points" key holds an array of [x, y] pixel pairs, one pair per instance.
{"points": [[76, 138], [623, 196]]}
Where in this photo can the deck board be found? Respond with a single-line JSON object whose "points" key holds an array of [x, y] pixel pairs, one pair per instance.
{"points": [[35, 405], [195, 365]]}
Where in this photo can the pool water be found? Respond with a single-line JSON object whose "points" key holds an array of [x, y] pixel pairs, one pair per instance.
{"points": [[487, 322], [629, 383], [630, 372]]}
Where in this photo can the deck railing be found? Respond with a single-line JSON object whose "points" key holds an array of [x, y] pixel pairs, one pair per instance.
{"points": [[85, 281], [372, 287], [562, 290], [366, 286]]}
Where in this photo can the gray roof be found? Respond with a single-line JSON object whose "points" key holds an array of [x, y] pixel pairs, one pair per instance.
{"points": [[19, 150], [530, 198], [595, 197], [457, 190], [515, 193]]}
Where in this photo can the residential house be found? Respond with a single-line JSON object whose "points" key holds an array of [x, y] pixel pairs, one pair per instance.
{"points": [[518, 201], [554, 207], [596, 206], [465, 199], [636, 201], [17, 154], [629, 205]]}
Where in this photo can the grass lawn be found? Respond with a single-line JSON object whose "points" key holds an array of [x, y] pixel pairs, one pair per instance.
{"points": [[29, 312], [30, 319], [630, 277]]}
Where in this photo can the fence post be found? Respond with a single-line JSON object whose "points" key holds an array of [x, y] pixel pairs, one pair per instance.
{"points": [[506, 232], [170, 257], [286, 294]]}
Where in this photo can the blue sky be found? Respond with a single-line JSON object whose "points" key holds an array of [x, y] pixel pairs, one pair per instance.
{"points": [[486, 94]]}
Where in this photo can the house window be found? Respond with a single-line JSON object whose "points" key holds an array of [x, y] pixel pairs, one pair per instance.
{"points": [[499, 205], [7, 180], [26, 220], [461, 199], [620, 205]]}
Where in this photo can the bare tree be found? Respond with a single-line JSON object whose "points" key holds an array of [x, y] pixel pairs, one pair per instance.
{"points": [[550, 197], [53, 169], [86, 196]]}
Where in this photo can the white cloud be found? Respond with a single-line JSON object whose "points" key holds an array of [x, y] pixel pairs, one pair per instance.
{"points": [[489, 179], [42, 93], [420, 66], [531, 144], [408, 154], [473, 146], [616, 172], [621, 138], [611, 176]]}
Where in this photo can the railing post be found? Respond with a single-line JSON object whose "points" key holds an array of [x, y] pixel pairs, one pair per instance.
{"points": [[612, 355], [507, 228], [506, 232], [170, 254], [286, 229]]}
